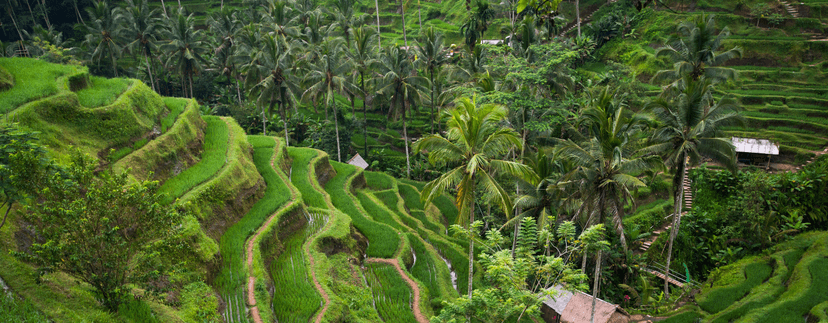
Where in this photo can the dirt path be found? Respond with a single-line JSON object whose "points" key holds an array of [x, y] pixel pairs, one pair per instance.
{"points": [[251, 280], [417, 314]]}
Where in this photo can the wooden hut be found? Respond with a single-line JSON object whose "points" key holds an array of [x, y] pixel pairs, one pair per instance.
{"points": [[755, 151]]}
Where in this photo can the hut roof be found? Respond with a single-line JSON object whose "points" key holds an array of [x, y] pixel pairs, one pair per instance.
{"points": [[358, 161], [576, 307], [755, 146]]}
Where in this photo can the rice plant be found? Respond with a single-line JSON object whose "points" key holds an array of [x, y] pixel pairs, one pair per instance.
{"points": [[176, 106], [378, 213], [392, 297], [232, 278], [378, 181], [383, 240], [297, 299], [102, 91], [213, 157], [33, 79], [720, 298], [301, 179], [424, 267]]}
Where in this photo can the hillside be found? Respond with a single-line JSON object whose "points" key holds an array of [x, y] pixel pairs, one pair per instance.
{"points": [[786, 284], [259, 210]]}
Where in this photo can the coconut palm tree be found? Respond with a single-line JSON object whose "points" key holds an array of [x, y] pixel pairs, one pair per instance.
{"points": [[270, 67], [344, 19], [362, 56], [141, 26], [690, 127], [604, 167], [477, 24], [280, 19], [101, 33], [697, 53], [432, 55], [475, 141], [225, 26], [329, 76], [185, 48], [403, 87]]}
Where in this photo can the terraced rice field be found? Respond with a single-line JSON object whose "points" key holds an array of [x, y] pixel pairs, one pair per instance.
{"points": [[789, 285], [297, 299]]}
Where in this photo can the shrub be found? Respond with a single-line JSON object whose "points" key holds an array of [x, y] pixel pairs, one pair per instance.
{"points": [[199, 303]]}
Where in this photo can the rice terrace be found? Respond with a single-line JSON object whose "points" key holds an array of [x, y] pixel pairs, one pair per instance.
{"points": [[332, 161]]}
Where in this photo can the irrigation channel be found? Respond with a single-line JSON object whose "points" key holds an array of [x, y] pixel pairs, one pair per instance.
{"points": [[296, 298]]}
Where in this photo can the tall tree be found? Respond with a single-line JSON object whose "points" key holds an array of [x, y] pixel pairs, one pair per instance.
{"points": [[696, 52], [185, 48], [475, 141], [477, 24], [99, 229], [605, 170], [400, 83], [691, 122], [225, 26], [327, 77], [101, 34], [140, 28], [344, 19], [362, 55], [271, 66], [432, 55]]}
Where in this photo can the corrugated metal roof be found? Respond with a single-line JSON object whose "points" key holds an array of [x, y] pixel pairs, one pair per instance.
{"points": [[358, 161], [576, 307], [755, 146], [491, 41]]}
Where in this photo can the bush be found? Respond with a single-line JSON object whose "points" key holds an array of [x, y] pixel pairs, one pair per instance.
{"points": [[199, 304]]}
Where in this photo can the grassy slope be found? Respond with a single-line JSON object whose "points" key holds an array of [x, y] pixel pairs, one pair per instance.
{"points": [[787, 283]]}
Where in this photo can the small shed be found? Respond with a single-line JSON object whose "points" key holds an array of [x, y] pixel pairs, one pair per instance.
{"points": [[358, 161], [576, 307], [755, 151], [491, 41]]}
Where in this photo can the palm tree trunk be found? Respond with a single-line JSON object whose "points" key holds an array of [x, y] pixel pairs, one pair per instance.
{"points": [[471, 246], [431, 71], [77, 12], [45, 15], [379, 43], [420, 16], [364, 112], [112, 57], [578, 15], [336, 126], [16, 27], [149, 70], [405, 141], [283, 109], [164, 7], [595, 285], [30, 10], [676, 222], [192, 95], [179, 4], [402, 13], [238, 91]]}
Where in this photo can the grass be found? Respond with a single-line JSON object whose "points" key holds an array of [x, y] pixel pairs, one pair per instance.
{"points": [[718, 299], [216, 140], [383, 240], [425, 268], [391, 294], [233, 276], [176, 106], [33, 79], [102, 91], [378, 213], [297, 299], [300, 178], [13, 309]]}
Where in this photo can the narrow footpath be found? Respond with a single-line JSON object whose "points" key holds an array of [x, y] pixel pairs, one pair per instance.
{"points": [[416, 290]]}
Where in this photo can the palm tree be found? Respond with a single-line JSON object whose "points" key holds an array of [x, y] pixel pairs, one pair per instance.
{"points": [[225, 26], [379, 43], [690, 127], [475, 140], [362, 56], [102, 32], [432, 56], [478, 22], [344, 19], [695, 54], [328, 76], [280, 18], [185, 48], [271, 66], [399, 82], [541, 194], [142, 26], [402, 14], [604, 171]]}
